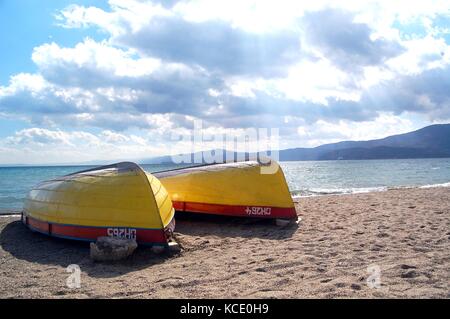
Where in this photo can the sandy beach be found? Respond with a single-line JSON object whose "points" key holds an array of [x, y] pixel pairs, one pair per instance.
{"points": [[399, 237]]}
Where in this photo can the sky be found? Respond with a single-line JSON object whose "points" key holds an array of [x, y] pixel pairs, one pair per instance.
{"points": [[107, 80]]}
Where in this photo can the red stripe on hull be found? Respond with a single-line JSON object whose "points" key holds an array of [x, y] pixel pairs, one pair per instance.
{"points": [[38, 225], [143, 236], [235, 210], [90, 233]]}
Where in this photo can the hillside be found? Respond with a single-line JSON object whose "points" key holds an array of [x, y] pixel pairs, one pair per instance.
{"points": [[428, 142]]}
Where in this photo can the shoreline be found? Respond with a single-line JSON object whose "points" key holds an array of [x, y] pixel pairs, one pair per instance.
{"points": [[8, 212], [332, 253], [366, 190]]}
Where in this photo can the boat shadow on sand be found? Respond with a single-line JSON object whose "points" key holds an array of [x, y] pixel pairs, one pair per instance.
{"points": [[34, 247], [191, 224]]}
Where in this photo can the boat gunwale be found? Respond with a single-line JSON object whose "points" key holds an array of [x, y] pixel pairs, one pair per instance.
{"points": [[190, 169]]}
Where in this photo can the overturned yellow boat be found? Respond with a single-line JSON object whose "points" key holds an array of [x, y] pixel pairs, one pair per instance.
{"points": [[248, 189], [118, 200]]}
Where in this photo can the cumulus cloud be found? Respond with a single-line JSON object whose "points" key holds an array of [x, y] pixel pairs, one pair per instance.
{"points": [[426, 93], [96, 59], [348, 44], [39, 145], [143, 84], [216, 46], [93, 81], [38, 136], [325, 131], [245, 64]]}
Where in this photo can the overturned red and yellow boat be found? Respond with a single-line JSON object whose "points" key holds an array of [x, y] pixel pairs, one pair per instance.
{"points": [[119, 200], [247, 189]]}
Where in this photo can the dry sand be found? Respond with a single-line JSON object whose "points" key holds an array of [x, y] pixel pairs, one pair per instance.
{"points": [[406, 233]]}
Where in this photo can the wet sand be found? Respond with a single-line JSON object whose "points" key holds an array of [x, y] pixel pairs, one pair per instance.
{"points": [[403, 236]]}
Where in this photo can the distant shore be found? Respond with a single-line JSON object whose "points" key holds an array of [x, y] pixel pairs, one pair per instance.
{"points": [[398, 238]]}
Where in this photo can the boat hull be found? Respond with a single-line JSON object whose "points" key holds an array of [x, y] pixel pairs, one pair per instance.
{"points": [[91, 233], [233, 189], [237, 210], [118, 200]]}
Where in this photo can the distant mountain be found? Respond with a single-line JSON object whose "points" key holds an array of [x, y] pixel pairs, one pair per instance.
{"points": [[197, 157], [428, 142]]}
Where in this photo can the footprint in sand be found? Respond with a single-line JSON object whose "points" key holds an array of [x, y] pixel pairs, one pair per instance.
{"points": [[356, 287], [405, 266], [410, 274]]}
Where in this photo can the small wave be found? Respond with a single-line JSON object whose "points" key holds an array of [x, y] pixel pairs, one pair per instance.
{"points": [[356, 190], [436, 185], [9, 214], [337, 191]]}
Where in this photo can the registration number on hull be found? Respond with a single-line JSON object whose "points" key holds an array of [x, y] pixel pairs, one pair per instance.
{"points": [[258, 211], [126, 233]]}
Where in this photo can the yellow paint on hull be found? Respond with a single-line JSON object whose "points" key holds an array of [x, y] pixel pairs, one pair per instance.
{"points": [[232, 185], [119, 195]]}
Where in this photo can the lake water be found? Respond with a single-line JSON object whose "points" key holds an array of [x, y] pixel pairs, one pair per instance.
{"points": [[304, 178]]}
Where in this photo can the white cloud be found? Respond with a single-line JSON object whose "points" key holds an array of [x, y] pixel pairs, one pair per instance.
{"points": [[33, 83], [422, 54], [385, 124], [89, 54], [38, 136], [125, 15], [38, 145], [347, 69]]}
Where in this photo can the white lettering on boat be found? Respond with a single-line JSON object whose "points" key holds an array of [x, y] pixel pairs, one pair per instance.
{"points": [[258, 211], [128, 233]]}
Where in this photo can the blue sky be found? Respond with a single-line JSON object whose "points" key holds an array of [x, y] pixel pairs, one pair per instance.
{"points": [[26, 24], [86, 80]]}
